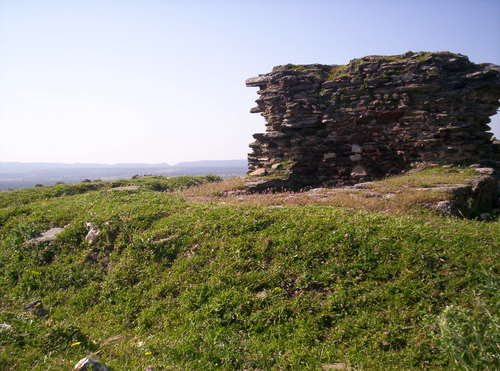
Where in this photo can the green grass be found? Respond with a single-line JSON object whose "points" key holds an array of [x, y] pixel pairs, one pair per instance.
{"points": [[419, 57], [426, 178], [157, 183], [351, 69], [338, 72], [172, 284]]}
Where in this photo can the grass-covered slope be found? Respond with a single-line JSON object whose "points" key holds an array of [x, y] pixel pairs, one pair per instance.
{"points": [[171, 284], [156, 183]]}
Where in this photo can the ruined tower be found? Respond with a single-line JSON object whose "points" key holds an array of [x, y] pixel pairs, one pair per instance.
{"points": [[376, 116]]}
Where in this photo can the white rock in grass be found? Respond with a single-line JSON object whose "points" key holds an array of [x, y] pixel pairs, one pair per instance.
{"points": [[91, 236], [87, 364]]}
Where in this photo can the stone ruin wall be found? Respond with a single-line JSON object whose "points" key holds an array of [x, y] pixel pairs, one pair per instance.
{"points": [[376, 116]]}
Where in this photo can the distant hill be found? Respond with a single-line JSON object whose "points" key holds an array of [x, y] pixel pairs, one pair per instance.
{"points": [[21, 175], [214, 163]]}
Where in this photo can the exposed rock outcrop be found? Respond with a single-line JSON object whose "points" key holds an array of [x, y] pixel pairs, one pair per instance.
{"points": [[376, 116]]}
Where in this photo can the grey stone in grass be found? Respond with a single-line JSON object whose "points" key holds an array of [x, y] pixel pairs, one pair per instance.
{"points": [[87, 364], [92, 234], [36, 307], [446, 207], [47, 236]]}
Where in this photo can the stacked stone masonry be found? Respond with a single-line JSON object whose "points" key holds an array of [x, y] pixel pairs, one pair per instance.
{"points": [[339, 125]]}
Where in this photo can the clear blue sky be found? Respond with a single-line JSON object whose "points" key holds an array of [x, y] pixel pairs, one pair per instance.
{"points": [[163, 81]]}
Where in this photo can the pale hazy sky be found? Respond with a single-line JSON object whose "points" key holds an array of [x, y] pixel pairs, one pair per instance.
{"points": [[163, 81]]}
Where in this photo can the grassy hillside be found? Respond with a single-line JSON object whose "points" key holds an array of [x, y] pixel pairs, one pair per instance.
{"points": [[156, 183], [174, 284]]}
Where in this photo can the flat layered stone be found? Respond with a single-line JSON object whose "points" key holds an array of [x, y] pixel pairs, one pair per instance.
{"points": [[257, 81]]}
